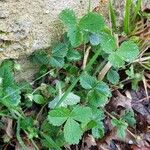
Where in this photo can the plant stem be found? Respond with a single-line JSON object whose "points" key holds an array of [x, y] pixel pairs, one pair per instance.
{"points": [[104, 71], [18, 136], [78, 78]]}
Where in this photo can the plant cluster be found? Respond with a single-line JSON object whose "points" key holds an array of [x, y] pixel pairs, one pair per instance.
{"points": [[71, 83]]}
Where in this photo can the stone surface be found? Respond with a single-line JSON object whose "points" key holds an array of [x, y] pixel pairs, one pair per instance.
{"points": [[28, 25]]}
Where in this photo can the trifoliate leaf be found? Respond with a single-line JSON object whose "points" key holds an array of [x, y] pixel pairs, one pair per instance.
{"points": [[73, 55], [107, 42], [58, 116], [39, 99], [81, 114], [128, 116], [72, 132], [68, 17], [95, 98], [71, 99], [128, 51], [75, 36], [113, 76], [72, 129], [87, 81], [121, 127], [92, 22], [116, 60]]}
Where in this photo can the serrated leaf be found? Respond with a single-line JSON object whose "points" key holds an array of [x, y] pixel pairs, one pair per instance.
{"points": [[6, 73], [113, 76], [121, 127], [107, 42], [87, 81], [11, 96], [92, 22], [58, 116], [59, 50], [40, 57], [72, 132], [116, 60], [68, 17], [98, 131], [81, 114], [103, 88], [73, 55], [128, 116], [57, 62], [39, 99], [71, 99], [56, 59], [75, 36], [128, 51], [95, 98]]}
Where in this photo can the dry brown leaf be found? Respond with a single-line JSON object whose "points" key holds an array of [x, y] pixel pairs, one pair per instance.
{"points": [[89, 143], [119, 100], [8, 126]]}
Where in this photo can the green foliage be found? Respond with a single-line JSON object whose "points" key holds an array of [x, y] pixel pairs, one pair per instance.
{"points": [[92, 22], [99, 91], [68, 17], [121, 127], [9, 91], [71, 99], [65, 100], [128, 116], [127, 52], [112, 16], [113, 76], [62, 115], [127, 16]]}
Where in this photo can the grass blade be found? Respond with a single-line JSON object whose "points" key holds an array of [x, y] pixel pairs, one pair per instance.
{"points": [[128, 5], [112, 16], [137, 9]]}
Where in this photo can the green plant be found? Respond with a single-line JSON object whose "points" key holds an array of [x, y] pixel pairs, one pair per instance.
{"points": [[76, 96]]}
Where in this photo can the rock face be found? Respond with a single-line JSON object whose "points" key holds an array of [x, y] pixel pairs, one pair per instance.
{"points": [[28, 25]]}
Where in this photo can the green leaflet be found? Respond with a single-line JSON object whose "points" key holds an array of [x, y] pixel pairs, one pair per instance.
{"points": [[113, 76], [107, 42], [10, 93], [87, 81], [128, 51], [71, 99], [58, 116], [75, 36], [98, 117], [73, 55], [72, 131], [39, 99], [68, 17], [96, 98], [116, 60], [121, 127], [6, 74], [92, 22]]}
